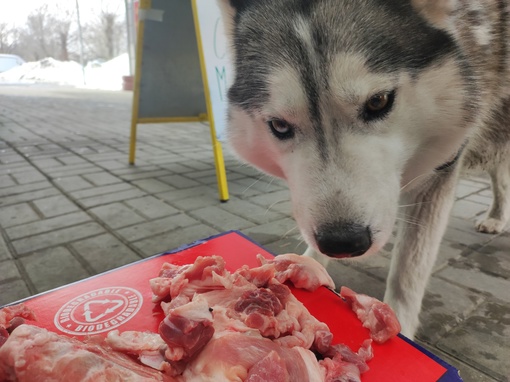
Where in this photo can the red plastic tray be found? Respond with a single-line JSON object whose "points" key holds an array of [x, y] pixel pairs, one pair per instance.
{"points": [[121, 299]]}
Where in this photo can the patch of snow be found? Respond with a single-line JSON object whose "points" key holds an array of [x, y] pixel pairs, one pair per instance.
{"points": [[107, 76], [47, 70]]}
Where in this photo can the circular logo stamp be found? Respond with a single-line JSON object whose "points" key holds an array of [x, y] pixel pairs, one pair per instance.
{"points": [[98, 311]]}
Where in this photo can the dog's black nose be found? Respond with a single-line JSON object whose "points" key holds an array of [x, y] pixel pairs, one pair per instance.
{"points": [[343, 239]]}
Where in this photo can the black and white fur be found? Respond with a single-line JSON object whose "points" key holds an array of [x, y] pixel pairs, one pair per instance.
{"points": [[301, 107]]}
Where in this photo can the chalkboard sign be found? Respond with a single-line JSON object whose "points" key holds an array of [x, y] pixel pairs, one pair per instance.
{"points": [[214, 49], [182, 72], [171, 79]]}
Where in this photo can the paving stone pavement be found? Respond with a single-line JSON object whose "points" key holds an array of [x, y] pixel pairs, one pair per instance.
{"points": [[71, 207]]}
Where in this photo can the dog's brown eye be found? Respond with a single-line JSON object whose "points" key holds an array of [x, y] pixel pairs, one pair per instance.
{"points": [[281, 129], [378, 102], [378, 106]]}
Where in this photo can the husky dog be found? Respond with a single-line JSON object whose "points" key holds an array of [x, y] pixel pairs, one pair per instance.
{"points": [[368, 109]]}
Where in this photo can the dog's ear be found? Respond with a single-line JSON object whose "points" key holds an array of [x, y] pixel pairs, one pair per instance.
{"points": [[229, 10], [436, 12], [235, 4]]}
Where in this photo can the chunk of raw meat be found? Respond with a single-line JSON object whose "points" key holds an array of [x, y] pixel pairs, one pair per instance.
{"points": [[270, 368], [149, 347], [135, 342], [344, 353], [340, 371], [375, 315], [231, 356], [273, 312], [344, 365], [258, 305], [259, 276], [10, 312], [34, 354], [302, 271], [186, 330], [11, 317], [206, 273]]}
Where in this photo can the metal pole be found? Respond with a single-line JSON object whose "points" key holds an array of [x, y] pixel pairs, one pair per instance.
{"points": [[81, 42], [129, 27]]}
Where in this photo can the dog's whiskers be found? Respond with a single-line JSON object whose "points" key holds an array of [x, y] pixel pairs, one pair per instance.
{"points": [[271, 180], [251, 185], [413, 180], [299, 243], [404, 215], [289, 231], [273, 204], [413, 204], [408, 221]]}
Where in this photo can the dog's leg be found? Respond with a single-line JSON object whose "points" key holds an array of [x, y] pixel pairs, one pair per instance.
{"points": [[498, 214], [419, 234]]}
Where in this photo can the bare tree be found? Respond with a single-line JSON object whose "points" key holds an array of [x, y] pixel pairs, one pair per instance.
{"points": [[52, 31], [62, 30], [38, 33], [110, 32], [47, 33], [105, 36], [7, 38]]}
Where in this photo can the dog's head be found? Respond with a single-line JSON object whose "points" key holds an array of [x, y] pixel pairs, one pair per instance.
{"points": [[350, 102]]}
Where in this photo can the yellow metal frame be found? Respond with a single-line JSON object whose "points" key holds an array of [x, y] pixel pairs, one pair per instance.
{"points": [[219, 162], [221, 175], [169, 119], [144, 4]]}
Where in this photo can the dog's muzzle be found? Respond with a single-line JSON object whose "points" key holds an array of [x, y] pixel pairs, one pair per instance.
{"points": [[341, 240]]}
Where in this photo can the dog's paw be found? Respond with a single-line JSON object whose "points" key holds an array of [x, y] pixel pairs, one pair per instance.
{"points": [[490, 225]]}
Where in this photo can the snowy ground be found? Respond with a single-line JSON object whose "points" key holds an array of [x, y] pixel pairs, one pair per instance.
{"points": [[106, 76]]}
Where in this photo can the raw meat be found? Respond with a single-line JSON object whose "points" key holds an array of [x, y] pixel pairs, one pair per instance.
{"points": [[16, 311], [149, 347], [233, 356], [247, 325], [208, 273], [269, 368], [186, 330], [244, 326], [11, 317], [302, 271], [267, 306], [375, 315], [34, 354], [205, 274], [4, 334]]}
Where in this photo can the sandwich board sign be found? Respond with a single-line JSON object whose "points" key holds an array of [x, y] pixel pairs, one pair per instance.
{"points": [[181, 71]]}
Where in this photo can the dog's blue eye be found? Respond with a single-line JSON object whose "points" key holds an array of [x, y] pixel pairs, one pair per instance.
{"points": [[378, 106], [281, 129]]}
